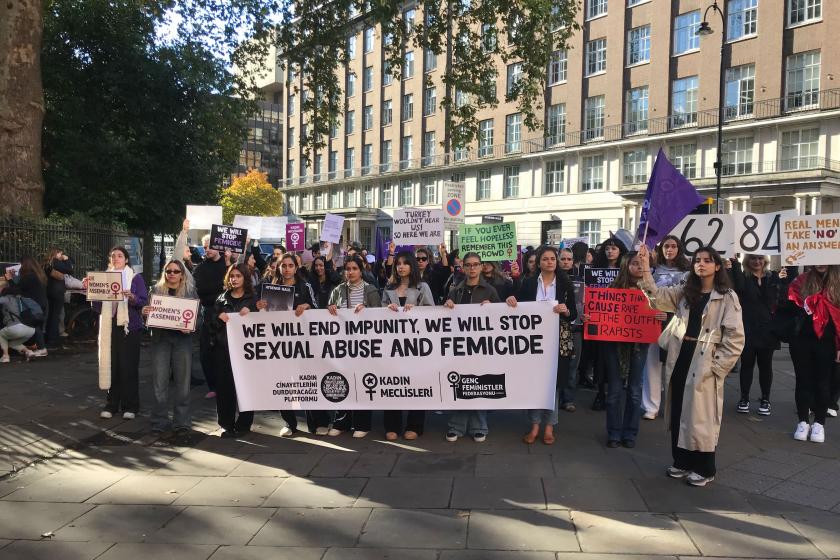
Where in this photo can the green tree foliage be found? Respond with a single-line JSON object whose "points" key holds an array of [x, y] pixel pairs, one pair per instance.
{"points": [[251, 195]]}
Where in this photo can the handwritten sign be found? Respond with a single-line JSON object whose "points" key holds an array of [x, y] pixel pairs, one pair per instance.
{"points": [[331, 228], [414, 226], [223, 238], [811, 240], [296, 237], [493, 242], [203, 217], [619, 316], [278, 297], [599, 277], [454, 200], [172, 313], [104, 286]]}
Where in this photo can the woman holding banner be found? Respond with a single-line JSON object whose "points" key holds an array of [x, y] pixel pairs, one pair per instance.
{"points": [[356, 294], [323, 278], [238, 297], [703, 340], [551, 284], [172, 354], [404, 289], [815, 346]]}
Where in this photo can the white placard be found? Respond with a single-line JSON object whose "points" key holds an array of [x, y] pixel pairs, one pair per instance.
{"points": [[759, 234], [274, 227], [568, 242], [104, 286], [432, 358], [331, 228], [252, 223], [415, 226], [811, 240], [203, 217], [172, 313], [454, 204], [703, 230]]}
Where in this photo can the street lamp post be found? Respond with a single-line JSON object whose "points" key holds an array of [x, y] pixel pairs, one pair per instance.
{"points": [[704, 30]]}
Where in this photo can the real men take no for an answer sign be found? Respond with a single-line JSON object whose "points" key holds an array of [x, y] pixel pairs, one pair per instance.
{"points": [[493, 242]]}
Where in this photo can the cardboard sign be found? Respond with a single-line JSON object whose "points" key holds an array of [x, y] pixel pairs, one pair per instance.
{"points": [[599, 277], [493, 242], [570, 241], [619, 316], [295, 237], [203, 217], [273, 227], [454, 200], [711, 230], [811, 240], [331, 228], [253, 224], [223, 238], [665, 278], [759, 234], [278, 297], [104, 286], [414, 226], [172, 313]]}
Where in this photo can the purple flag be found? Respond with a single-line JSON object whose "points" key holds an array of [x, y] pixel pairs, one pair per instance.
{"points": [[381, 246], [670, 197]]}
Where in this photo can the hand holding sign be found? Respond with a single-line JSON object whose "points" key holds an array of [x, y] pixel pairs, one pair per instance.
{"points": [[103, 286]]}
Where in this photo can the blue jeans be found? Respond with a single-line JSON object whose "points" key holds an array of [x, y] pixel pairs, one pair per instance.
{"points": [[171, 357], [473, 422], [623, 427]]}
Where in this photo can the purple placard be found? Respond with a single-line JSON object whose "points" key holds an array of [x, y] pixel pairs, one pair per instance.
{"points": [[295, 237]]}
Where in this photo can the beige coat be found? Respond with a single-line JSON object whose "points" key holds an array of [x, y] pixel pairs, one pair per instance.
{"points": [[719, 345]]}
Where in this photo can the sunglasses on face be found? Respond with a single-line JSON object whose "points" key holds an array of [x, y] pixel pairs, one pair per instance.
{"points": [[422, 259], [176, 271]]}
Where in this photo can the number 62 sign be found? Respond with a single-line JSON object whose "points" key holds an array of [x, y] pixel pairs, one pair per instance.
{"points": [[739, 232]]}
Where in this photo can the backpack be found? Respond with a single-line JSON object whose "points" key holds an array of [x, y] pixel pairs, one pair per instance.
{"points": [[31, 313]]}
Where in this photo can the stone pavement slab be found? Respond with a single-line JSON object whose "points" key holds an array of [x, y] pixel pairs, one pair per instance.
{"points": [[147, 551], [821, 475], [213, 525], [333, 464], [514, 464], [416, 528], [379, 554], [67, 486], [494, 555], [29, 520], [631, 533], [316, 492], [277, 464], [373, 465], [619, 463], [401, 492], [593, 494], [746, 535], [117, 523], [435, 465], [146, 489], [805, 495], [746, 481], [588, 556], [822, 530], [53, 550], [230, 491], [521, 530], [266, 553], [498, 493], [201, 463], [664, 494], [314, 527]]}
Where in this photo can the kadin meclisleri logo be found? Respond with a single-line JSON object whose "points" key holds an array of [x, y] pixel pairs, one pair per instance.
{"points": [[334, 387], [467, 386]]}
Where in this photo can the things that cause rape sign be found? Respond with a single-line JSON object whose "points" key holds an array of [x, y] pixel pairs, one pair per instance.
{"points": [[167, 312], [811, 240], [620, 316], [431, 358], [493, 242], [104, 286]]}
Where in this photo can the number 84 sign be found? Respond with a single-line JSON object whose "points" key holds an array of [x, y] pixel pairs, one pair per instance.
{"points": [[739, 232]]}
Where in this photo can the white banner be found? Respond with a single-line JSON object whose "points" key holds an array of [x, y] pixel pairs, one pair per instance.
{"points": [[203, 217], [739, 232], [704, 230], [252, 223], [104, 286], [172, 313], [273, 227], [331, 228], [811, 240], [414, 226], [454, 203], [430, 358], [759, 234]]}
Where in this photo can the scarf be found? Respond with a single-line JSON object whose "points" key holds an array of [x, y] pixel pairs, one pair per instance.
{"points": [[823, 311], [105, 329]]}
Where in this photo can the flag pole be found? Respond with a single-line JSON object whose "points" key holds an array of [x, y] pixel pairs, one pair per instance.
{"points": [[644, 237]]}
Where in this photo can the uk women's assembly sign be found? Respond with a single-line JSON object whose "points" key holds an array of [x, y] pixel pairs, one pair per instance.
{"points": [[429, 358]]}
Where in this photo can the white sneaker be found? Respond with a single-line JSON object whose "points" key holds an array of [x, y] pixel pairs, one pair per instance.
{"points": [[128, 416], [358, 434], [334, 432], [106, 414], [817, 433], [285, 431], [649, 416], [831, 412], [322, 431], [42, 353], [4, 359], [801, 433], [695, 479]]}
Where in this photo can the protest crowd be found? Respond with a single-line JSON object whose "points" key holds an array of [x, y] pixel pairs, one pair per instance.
{"points": [[709, 316]]}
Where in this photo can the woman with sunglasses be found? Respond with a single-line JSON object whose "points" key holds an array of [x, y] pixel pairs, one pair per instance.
{"points": [[432, 273], [405, 290], [172, 355]]}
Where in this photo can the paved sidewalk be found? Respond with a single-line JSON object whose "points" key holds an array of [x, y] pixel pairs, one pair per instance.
{"points": [[107, 489]]}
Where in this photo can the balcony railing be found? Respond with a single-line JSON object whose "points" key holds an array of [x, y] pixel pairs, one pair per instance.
{"points": [[760, 110]]}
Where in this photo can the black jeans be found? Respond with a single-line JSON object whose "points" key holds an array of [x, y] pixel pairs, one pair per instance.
{"points": [[813, 364], [764, 358], [414, 423], [356, 419], [226, 405], [208, 363], [53, 316], [124, 394], [700, 462]]}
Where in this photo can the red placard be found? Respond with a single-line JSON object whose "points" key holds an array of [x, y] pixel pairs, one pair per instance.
{"points": [[619, 316]]}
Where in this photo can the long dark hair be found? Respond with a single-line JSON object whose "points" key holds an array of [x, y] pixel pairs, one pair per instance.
{"points": [[601, 256], [623, 280], [413, 276], [28, 265], [692, 291], [247, 285], [562, 281], [358, 261], [681, 262]]}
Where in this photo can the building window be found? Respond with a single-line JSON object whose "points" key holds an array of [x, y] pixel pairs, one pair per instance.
{"points": [[319, 200], [488, 37], [290, 168], [408, 65], [290, 137], [291, 105], [461, 98], [408, 18], [514, 75], [631, 3], [350, 122], [511, 185], [407, 106], [513, 133], [737, 156], [637, 110], [593, 173], [635, 167], [335, 198], [590, 229], [740, 91], [351, 47], [800, 149], [332, 164], [367, 117], [369, 34], [556, 120], [429, 60], [459, 146], [638, 45], [351, 84], [387, 114], [367, 197], [428, 192], [367, 78], [334, 129], [596, 56], [684, 101], [596, 8], [742, 19], [458, 177], [485, 138], [429, 148], [684, 158], [405, 152], [386, 195], [387, 76], [406, 193], [316, 167], [367, 158], [483, 186], [803, 11], [429, 101], [685, 32], [385, 156], [555, 172], [802, 85], [594, 118], [349, 161], [557, 68], [350, 198]]}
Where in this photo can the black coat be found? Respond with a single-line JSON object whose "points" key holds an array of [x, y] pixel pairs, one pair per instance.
{"points": [[226, 303], [758, 305], [209, 277], [564, 288]]}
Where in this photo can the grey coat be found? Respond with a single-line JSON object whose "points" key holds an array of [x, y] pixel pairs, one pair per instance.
{"points": [[341, 295], [421, 295]]}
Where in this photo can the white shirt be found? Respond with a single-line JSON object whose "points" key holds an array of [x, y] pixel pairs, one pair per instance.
{"points": [[546, 293]]}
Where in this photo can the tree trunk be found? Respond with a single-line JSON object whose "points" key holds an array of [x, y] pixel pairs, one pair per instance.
{"points": [[21, 107]]}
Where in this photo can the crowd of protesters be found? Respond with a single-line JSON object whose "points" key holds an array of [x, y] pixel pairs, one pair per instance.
{"points": [[718, 315]]}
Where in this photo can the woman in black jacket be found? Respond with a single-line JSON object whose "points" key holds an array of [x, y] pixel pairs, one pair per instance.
{"points": [[323, 278], [551, 284], [58, 264]]}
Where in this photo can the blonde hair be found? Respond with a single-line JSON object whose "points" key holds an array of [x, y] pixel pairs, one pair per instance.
{"points": [[816, 282], [185, 288]]}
